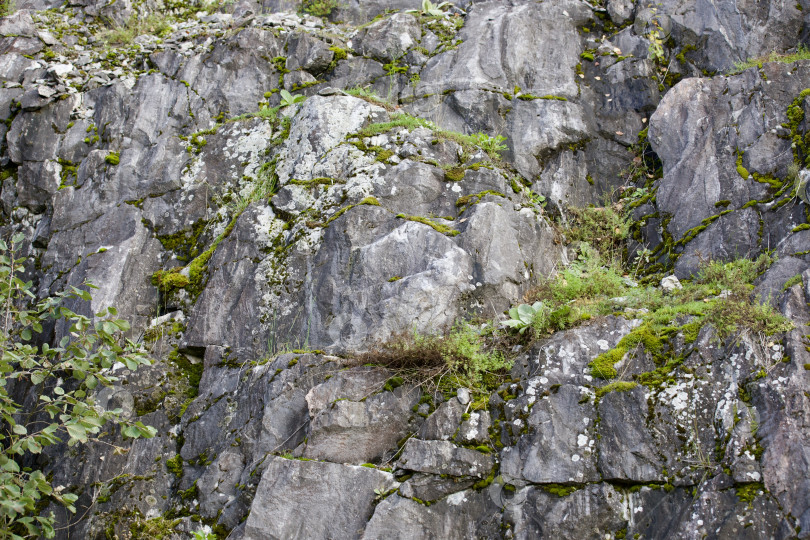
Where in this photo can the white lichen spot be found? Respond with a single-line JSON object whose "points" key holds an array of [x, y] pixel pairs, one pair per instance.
{"points": [[582, 440]]}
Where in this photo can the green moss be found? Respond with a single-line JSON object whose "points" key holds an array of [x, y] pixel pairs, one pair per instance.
{"points": [[394, 278], [368, 201], [691, 331], [382, 154], [112, 158], [795, 280], [560, 490], [320, 181], [393, 68], [749, 492], [587, 55], [292, 362], [742, 171], [280, 63], [340, 54], [722, 204], [444, 229], [466, 201], [602, 365], [531, 97], [802, 227], [485, 482], [454, 174], [392, 383], [190, 493], [171, 280], [175, 466], [617, 386]]}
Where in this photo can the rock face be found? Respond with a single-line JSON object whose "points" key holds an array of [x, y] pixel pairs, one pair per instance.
{"points": [[718, 183], [416, 176]]}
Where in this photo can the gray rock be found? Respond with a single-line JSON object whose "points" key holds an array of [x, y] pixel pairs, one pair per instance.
{"points": [[444, 422], [626, 449], [465, 514], [728, 35], [586, 513], [217, 486], [670, 283], [563, 358], [361, 432], [770, 285], [620, 10], [442, 457], [427, 487], [307, 53], [700, 172], [475, 429], [560, 446], [292, 495], [354, 385], [389, 39]]}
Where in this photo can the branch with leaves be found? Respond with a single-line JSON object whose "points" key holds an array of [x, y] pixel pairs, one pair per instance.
{"points": [[64, 378]]}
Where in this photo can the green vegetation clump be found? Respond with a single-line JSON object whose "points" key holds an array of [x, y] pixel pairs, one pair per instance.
{"points": [[749, 492], [795, 280], [560, 490], [597, 284], [802, 53], [319, 8], [113, 158], [339, 54], [616, 386], [155, 24], [175, 466], [492, 145], [465, 356], [444, 229]]}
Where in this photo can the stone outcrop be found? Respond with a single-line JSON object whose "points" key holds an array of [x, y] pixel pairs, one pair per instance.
{"points": [[266, 195]]}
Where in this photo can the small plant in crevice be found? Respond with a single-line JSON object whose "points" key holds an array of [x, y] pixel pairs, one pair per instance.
{"points": [[288, 99], [465, 356], [432, 10], [802, 53], [491, 145], [523, 315]]}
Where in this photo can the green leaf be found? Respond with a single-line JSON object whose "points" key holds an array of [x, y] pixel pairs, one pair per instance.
{"points": [[109, 328], [19, 429], [34, 446], [76, 432], [11, 466]]}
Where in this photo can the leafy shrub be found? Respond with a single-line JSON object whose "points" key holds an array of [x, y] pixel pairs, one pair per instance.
{"points": [[65, 376]]}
